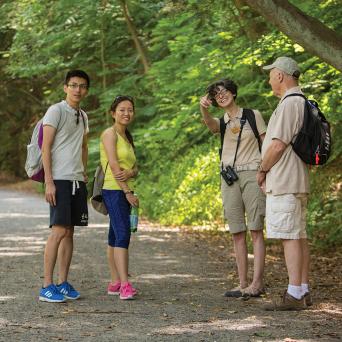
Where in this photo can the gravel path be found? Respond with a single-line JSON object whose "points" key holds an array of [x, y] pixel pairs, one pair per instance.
{"points": [[181, 276]]}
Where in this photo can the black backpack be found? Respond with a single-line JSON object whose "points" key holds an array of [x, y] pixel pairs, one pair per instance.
{"points": [[313, 142], [247, 114]]}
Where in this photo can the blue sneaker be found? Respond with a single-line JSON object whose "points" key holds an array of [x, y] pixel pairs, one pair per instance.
{"points": [[51, 294], [67, 290]]}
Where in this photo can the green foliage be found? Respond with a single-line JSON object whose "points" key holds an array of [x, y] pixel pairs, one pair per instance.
{"points": [[189, 44], [179, 196], [325, 206]]}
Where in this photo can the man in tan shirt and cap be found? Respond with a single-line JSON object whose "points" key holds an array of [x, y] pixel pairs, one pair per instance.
{"points": [[284, 178]]}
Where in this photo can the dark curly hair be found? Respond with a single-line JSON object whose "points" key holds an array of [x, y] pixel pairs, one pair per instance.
{"points": [[227, 84], [117, 100]]}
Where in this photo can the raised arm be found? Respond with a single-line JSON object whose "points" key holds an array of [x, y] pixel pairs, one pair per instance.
{"points": [[212, 124]]}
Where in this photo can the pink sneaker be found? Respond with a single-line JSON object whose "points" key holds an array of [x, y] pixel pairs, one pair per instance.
{"points": [[113, 289], [126, 291]]}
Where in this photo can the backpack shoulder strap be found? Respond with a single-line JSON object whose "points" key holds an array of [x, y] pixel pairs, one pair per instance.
{"points": [[242, 124], [60, 117], [81, 113], [223, 126], [106, 168], [249, 114], [294, 94]]}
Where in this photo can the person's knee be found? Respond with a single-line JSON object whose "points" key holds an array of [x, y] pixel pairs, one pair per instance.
{"points": [[239, 237], [257, 235], [58, 233], [69, 233]]}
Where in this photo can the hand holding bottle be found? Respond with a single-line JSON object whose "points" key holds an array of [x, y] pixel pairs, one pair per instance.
{"points": [[132, 199], [134, 218]]}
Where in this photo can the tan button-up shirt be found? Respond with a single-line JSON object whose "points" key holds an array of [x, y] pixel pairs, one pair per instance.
{"points": [[248, 153], [290, 174]]}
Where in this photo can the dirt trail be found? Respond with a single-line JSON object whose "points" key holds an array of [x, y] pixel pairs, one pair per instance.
{"points": [[181, 276]]}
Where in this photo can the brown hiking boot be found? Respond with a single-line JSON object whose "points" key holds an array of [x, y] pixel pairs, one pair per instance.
{"points": [[308, 299], [287, 303]]}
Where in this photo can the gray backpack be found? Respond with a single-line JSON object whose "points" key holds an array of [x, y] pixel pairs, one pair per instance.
{"points": [[34, 164], [96, 198]]}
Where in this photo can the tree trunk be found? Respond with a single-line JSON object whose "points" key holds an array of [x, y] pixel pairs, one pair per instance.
{"points": [[307, 31], [134, 33]]}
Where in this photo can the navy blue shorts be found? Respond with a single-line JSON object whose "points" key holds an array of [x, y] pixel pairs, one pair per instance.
{"points": [[118, 208], [71, 204]]}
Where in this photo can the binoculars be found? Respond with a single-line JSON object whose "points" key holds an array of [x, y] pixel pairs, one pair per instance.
{"points": [[229, 175]]}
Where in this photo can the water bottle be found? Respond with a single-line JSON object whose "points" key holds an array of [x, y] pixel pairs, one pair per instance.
{"points": [[133, 219]]}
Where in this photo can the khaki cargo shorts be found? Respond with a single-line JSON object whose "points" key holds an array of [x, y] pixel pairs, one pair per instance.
{"points": [[286, 216], [243, 198]]}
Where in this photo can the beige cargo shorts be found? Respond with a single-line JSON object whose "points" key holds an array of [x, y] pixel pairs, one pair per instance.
{"points": [[286, 216], [242, 199]]}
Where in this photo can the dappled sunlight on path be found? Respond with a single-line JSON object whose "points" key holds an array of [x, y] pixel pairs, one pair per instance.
{"points": [[214, 325], [180, 274]]}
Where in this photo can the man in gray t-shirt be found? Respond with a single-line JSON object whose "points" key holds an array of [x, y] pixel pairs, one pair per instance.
{"points": [[65, 154], [66, 151]]}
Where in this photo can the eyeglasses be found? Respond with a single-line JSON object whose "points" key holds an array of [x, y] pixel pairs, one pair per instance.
{"points": [[75, 86], [220, 93]]}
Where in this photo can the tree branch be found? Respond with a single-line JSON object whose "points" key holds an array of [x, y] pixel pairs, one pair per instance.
{"points": [[135, 37], [307, 31]]}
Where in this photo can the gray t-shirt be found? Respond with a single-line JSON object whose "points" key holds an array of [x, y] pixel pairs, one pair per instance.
{"points": [[66, 152]]}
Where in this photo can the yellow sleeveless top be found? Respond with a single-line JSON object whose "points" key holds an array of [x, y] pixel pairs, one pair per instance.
{"points": [[126, 159]]}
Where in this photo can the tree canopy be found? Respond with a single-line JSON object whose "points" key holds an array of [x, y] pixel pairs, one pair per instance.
{"points": [[165, 53]]}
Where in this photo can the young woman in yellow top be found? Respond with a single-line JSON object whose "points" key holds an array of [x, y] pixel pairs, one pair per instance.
{"points": [[119, 163]]}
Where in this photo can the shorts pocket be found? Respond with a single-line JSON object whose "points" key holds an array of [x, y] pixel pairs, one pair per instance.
{"points": [[261, 203], [283, 212]]}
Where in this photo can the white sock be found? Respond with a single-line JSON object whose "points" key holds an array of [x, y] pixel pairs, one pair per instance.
{"points": [[295, 291], [305, 288]]}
